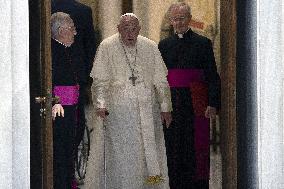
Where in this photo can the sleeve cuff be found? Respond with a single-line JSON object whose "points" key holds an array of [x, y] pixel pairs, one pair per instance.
{"points": [[165, 107]]}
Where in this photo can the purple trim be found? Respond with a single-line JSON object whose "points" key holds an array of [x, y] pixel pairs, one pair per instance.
{"points": [[201, 146], [68, 94], [183, 77], [74, 184]]}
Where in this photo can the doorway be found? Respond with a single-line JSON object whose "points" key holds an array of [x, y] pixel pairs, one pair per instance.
{"points": [[40, 95], [41, 137]]}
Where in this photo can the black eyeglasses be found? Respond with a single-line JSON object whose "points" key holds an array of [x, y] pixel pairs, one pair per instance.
{"points": [[70, 28], [178, 19]]}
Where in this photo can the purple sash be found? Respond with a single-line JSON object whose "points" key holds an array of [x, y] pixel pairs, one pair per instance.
{"points": [[183, 77], [68, 94]]}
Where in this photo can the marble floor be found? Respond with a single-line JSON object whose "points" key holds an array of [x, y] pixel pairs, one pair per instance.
{"points": [[215, 156], [215, 169]]}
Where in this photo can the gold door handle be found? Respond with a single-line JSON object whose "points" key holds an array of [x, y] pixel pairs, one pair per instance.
{"points": [[39, 99]]}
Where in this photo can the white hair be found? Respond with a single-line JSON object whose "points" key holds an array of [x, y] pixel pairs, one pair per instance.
{"points": [[129, 14], [132, 15], [58, 19], [177, 5]]}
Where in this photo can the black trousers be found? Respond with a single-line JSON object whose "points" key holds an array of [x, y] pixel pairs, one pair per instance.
{"points": [[180, 154], [179, 139], [64, 130], [181, 157]]}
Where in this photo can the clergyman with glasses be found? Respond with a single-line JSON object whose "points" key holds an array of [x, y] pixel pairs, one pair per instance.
{"points": [[66, 80], [195, 89]]}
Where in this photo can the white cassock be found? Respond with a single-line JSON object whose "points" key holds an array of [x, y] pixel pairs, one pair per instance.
{"points": [[134, 139]]}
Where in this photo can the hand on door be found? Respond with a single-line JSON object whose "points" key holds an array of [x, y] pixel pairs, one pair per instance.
{"points": [[57, 109]]}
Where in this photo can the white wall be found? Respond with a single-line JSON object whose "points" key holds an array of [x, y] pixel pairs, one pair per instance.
{"points": [[110, 12], [14, 95], [270, 95]]}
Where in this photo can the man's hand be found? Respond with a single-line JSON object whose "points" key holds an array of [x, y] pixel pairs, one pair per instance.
{"points": [[210, 112], [102, 112], [57, 109], [167, 118]]}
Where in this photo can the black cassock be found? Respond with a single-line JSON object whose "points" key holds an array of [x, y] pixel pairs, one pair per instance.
{"points": [[84, 48], [67, 76], [195, 84]]}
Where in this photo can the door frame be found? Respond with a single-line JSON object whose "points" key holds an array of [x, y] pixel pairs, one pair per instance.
{"points": [[41, 144], [228, 32], [47, 132], [228, 76]]}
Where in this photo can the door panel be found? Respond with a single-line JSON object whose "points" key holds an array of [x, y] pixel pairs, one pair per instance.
{"points": [[40, 86]]}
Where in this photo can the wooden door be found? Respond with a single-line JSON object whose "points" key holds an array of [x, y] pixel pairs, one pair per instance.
{"points": [[228, 122], [41, 96]]}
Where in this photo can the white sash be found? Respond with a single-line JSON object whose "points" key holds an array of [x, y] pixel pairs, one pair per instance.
{"points": [[147, 128]]}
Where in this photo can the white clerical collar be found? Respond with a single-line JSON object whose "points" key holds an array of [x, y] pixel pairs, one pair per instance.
{"points": [[61, 43], [180, 35]]}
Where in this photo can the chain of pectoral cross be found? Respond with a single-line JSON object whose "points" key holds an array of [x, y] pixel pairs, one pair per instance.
{"points": [[132, 77]]}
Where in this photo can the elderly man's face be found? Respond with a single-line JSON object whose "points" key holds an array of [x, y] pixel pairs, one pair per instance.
{"points": [[180, 19], [67, 32], [129, 30]]}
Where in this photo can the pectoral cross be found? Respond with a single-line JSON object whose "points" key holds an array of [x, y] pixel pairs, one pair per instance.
{"points": [[133, 79]]}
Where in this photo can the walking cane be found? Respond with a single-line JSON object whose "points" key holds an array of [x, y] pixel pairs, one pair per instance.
{"points": [[104, 130]]}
